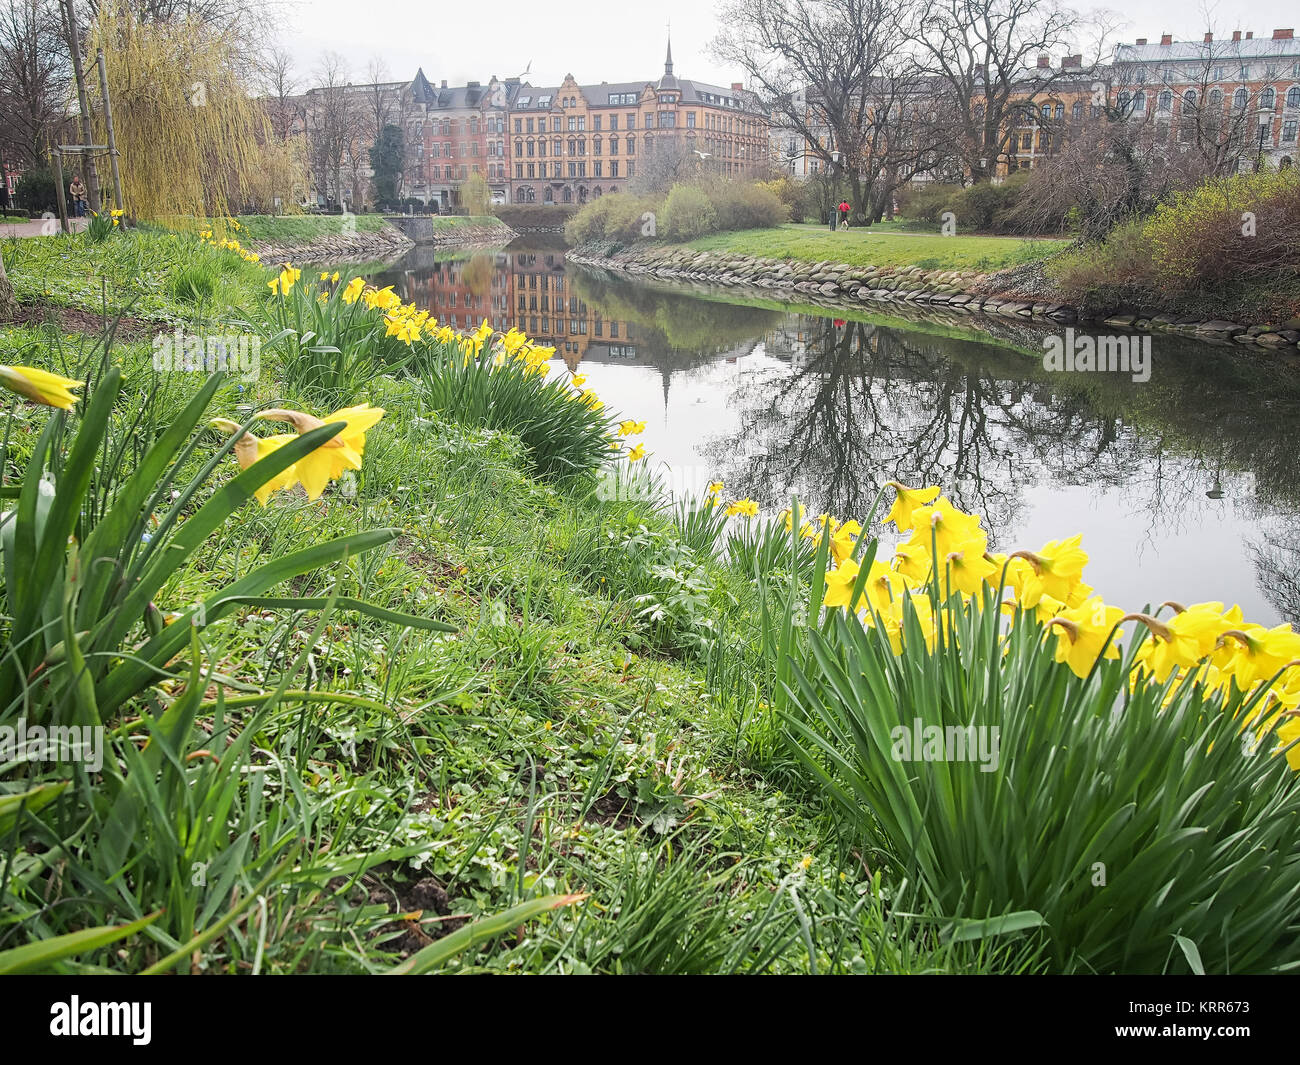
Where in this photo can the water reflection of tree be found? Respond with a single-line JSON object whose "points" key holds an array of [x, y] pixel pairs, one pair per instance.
{"points": [[873, 403], [1277, 565], [683, 321]]}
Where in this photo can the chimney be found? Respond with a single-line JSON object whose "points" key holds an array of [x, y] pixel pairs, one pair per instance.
{"points": [[1283, 35], [1209, 37], [1236, 35], [1250, 35], [444, 83], [737, 86], [1071, 62], [1044, 62], [1141, 40], [1166, 38]]}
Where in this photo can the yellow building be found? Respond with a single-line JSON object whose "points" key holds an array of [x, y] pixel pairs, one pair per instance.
{"points": [[571, 142]]}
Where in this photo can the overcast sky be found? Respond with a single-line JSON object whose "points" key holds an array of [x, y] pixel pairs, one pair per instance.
{"points": [[473, 40]]}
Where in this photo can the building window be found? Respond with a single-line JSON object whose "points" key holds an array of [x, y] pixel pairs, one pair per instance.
{"points": [[1216, 99], [1058, 111], [1166, 100], [519, 125], [1293, 97], [1240, 99], [1189, 101], [613, 122], [690, 119], [631, 121], [613, 168], [631, 149], [595, 146], [597, 171], [1267, 100], [519, 171], [1289, 129], [595, 122], [1076, 110], [573, 123]]}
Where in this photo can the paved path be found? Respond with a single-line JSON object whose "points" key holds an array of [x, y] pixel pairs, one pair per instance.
{"points": [[36, 227]]}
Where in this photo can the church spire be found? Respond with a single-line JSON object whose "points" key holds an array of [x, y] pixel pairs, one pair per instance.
{"points": [[668, 60]]}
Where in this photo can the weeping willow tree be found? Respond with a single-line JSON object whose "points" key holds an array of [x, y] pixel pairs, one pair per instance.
{"points": [[192, 140]]}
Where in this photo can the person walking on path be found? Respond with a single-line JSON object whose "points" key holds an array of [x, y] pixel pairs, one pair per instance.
{"points": [[77, 193]]}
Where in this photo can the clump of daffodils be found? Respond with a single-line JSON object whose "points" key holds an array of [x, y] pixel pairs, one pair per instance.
{"points": [[943, 558]]}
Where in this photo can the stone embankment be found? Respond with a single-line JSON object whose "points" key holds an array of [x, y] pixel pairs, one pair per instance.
{"points": [[835, 284], [383, 244]]}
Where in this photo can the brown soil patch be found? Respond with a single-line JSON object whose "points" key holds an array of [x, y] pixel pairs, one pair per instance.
{"points": [[71, 320]]}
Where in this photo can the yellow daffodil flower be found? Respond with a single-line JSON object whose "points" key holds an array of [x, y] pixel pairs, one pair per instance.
{"points": [[343, 452], [248, 449], [906, 501], [40, 386]]}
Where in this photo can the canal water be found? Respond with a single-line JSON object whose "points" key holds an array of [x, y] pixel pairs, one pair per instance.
{"points": [[1185, 486]]}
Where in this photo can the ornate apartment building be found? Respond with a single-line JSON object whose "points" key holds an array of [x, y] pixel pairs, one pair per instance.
{"points": [[1242, 93], [571, 143]]}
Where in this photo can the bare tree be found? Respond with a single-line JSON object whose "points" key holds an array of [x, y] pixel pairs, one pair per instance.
{"points": [[279, 85], [817, 62], [334, 124], [982, 53], [35, 79]]}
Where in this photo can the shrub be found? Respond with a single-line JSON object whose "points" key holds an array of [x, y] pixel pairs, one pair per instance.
{"points": [[1203, 236], [927, 202], [564, 431], [687, 214], [617, 217], [591, 221], [35, 192], [740, 205]]}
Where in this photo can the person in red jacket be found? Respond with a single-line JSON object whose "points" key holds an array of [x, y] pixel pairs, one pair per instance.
{"points": [[844, 214]]}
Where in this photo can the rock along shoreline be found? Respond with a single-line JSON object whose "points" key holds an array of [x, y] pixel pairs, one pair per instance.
{"points": [[383, 244], [835, 284]]}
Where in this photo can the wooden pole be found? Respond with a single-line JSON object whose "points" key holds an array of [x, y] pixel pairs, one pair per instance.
{"points": [[58, 190], [108, 123], [74, 46]]}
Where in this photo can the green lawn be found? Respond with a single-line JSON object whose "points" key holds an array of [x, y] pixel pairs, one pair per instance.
{"points": [[300, 229], [444, 222], [881, 247]]}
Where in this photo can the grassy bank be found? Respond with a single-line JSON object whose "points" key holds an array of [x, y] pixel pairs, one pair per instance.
{"points": [[473, 665], [873, 247], [290, 230]]}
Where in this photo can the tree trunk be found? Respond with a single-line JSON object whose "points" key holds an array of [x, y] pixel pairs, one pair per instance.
{"points": [[8, 305]]}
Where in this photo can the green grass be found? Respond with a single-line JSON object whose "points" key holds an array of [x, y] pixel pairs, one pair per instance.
{"points": [[448, 222], [873, 247], [599, 722], [289, 230]]}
